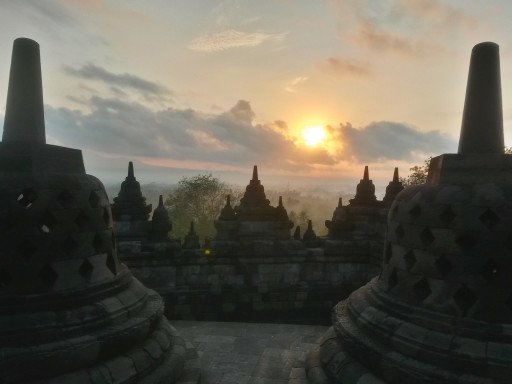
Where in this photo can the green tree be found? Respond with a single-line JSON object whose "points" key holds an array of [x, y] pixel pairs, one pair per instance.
{"points": [[200, 199], [418, 174]]}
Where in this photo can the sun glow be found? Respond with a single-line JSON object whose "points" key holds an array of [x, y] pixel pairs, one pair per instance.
{"points": [[313, 135]]}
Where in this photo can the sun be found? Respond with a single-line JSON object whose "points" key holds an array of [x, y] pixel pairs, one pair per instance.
{"points": [[313, 135]]}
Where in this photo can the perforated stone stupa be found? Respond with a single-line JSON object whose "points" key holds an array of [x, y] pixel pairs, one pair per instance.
{"points": [[441, 310], [70, 312]]}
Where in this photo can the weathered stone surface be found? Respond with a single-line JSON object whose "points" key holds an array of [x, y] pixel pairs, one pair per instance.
{"points": [[441, 306], [69, 310]]}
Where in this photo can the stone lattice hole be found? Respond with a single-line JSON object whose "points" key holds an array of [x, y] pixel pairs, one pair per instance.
{"points": [[27, 250], [489, 269], [48, 276], [426, 237], [447, 216], [464, 298], [47, 222], [415, 211], [66, 199], [409, 259], [69, 245], [81, 220], [466, 240], [422, 290], [86, 270], [489, 218], [27, 197], [443, 265], [94, 199]]}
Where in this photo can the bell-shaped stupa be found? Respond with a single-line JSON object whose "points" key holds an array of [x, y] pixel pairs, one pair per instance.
{"points": [[441, 310], [70, 312]]}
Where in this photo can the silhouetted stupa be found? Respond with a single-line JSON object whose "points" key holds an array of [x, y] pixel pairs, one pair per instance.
{"points": [[441, 311], [70, 312]]}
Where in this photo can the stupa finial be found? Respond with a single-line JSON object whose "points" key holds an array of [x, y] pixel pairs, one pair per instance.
{"points": [[160, 201], [366, 175], [280, 201], [395, 175], [482, 120], [131, 174], [255, 173], [24, 114], [340, 202]]}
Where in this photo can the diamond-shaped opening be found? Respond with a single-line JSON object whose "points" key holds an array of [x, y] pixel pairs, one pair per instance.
{"points": [[464, 298], [489, 269], [448, 215], [392, 279], [426, 237], [27, 197], [97, 243], [94, 199], [48, 276], [415, 211], [5, 276], [69, 245], [106, 216], [422, 290], [86, 270], [27, 249], [66, 199], [47, 222], [111, 263], [466, 240], [489, 218], [9, 223], [82, 220], [399, 231], [388, 252], [409, 259], [443, 265]]}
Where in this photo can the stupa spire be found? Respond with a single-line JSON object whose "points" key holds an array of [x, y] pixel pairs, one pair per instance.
{"points": [[255, 173], [340, 202], [395, 175], [366, 176], [482, 120], [131, 174], [24, 115]]}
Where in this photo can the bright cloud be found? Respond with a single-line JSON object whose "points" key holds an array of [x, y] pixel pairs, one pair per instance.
{"points": [[230, 39]]}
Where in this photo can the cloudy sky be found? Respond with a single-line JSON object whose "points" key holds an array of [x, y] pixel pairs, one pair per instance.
{"points": [[204, 85]]}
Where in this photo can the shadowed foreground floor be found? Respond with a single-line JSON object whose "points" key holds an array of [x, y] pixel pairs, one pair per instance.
{"points": [[251, 353]]}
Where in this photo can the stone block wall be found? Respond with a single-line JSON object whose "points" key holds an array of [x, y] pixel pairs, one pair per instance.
{"points": [[297, 288]]}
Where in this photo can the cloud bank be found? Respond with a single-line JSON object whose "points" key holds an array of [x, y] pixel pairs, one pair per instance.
{"points": [[125, 80], [385, 140], [232, 137]]}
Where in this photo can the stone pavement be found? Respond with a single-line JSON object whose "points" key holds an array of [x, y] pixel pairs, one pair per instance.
{"points": [[251, 353]]}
